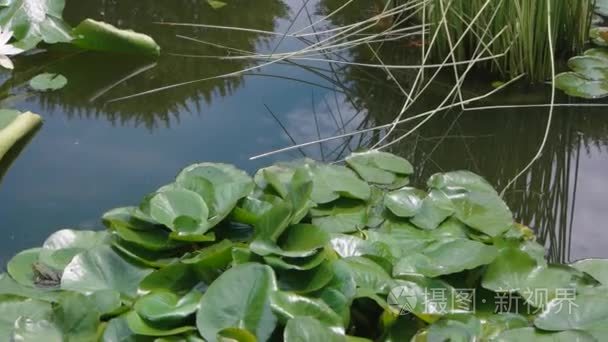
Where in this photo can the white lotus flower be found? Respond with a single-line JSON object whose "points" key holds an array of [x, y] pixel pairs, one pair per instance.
{"points": [[7, 49]]}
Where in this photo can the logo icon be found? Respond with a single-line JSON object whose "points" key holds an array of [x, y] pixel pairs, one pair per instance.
{"points": [[402, 299]]}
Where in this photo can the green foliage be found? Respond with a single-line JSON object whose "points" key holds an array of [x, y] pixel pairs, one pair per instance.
{"points": [[524, 40], [306, 252], [100, 36], [589, 76]]}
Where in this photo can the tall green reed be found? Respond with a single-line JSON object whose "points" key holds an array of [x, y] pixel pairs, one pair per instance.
{"points": [[525, 38]]}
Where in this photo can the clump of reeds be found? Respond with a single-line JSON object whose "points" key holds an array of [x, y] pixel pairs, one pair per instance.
{"points": [[526, 36]]}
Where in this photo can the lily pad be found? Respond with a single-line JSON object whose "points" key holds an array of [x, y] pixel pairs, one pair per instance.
{"points": [[576, 85], [183, 211], [404, 202], [12, 308], [33, 21], [435, 208], [446, 257], [102, 269], [220, 185], [167, 308], [47, 82], [597, 268], [533, 335], [289, 305], [379, 167], [344, 216], [100, 36], [590, 67], [308, 329], [239, 298], [599, 36]]}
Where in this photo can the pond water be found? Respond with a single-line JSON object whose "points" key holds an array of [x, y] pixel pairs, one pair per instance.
{"points": [[92, 154]]}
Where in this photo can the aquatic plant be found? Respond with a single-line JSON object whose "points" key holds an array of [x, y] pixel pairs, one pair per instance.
{"points": [[525, 37], [14, 125], [303, 251]]}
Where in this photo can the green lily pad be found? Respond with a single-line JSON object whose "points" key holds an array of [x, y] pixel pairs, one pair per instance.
{"points": [[20, 267], [102, 269], [26, 329], [460, 180], [446, 257], [12, 308], [76, 317], [220, 185], [290, 305], [100, 36], [47, 82], [576, 85], [435, 208], [227, 303], [483, 211], [308, 329], [599, 36], [140, 327], [61, 247], [368, 275], [300, 240], [405, 202], [533, 335], [344, 216], [597, 268], [33, 21], [177, 277], [306, 281], [590, 67], [181, 210], [598, 53], [586, 312], [331, 182], [300, 264], [128, 217], [379, 167], [167, 308]]}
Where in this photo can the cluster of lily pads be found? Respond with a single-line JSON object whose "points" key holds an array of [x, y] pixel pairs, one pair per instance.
{"points": [[589, 76], [303, 251]]}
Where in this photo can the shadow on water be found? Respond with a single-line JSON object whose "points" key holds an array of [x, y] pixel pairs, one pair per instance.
{"points": [[95, 78]]}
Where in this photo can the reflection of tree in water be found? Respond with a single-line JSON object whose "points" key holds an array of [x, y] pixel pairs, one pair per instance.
{"points": [[493, 143], [90, 74]]}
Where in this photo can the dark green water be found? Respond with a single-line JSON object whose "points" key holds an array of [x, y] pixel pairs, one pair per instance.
{"points": [[92, 155]]}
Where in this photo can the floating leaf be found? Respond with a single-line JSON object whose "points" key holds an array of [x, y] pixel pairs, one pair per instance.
{"points": [[183, 211], [576, 85], [289, 305], [483, 211], [14, 126], [404, 202], [33, 21], [533, 335], [11, 308], [227, 303], [590, 67], [220, 185], [435, 208], [308, 329], [26, 330], [102, 269], [216, 4], [167, 308], [21, 266], [446, 257], [46, 82], [140, 327], [330, 182], [599, 36], [597, 268], [379, 167], [345, 216], [460, 180], [100, 36]]}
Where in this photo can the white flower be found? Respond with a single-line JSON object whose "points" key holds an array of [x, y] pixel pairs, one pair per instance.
{"points": [[7, 49]]}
